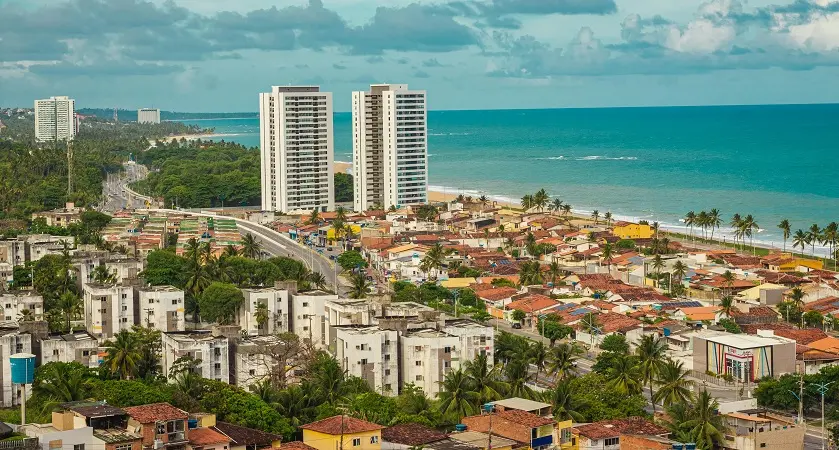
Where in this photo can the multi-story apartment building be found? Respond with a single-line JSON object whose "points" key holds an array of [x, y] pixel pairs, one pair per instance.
{"points": [[161, 307], [264, 311], [108, 309], [296, 143], [370, 353], [475, 339], [55, 119], [11, 341], [390, 147], [123, 269], [211, 351], [13, 305], [308, 320], [79, 346], [148, 115], [426, 356]]}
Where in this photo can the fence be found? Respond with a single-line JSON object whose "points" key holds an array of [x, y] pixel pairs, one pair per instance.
{"points": [[20, 444], [718, 381]]}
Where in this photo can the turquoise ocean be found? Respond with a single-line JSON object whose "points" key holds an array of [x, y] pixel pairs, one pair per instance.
{"points": [[774, 162]]}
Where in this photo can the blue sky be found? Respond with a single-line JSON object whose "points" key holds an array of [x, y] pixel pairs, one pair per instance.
{"points": [[217, 55]]}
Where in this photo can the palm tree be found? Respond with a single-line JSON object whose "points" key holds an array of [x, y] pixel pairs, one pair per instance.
{"points": [[815, 235], [800, 239], [102, 275], [518, 376], [527, 202], [608, 256], [564, 403], [690, 221], [624, 375], [556, 206], [530, 273], [728, 279], [674, 385], [680, 270], [434, 259], [595, 215], [706, 424], [796, 296], [71, 306], [702, 222], [562, 360], [608, 217], [26, 315], [122, 354], [727, 305], [566, 209], [261, 314], [314, 217], [540, 199], [230, 251], [714, 220], [651, 352], [341, 214], [554, 271], [749, 227], [251, 248], [60, 385], [485, 379], [831, 239], [457, 395], [483, 200], [785, 227], [359, 285], [736, 222], [658, 264], [317, 279], [538, 356]]}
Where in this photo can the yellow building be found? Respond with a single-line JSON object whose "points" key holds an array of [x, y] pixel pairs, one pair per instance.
{"points": [[457, 283], [633, 231], [356, 231], [357, 434], [793, 265], [564, 437]]}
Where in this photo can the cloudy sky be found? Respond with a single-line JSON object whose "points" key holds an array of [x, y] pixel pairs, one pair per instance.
{"points": [[217, 55]]}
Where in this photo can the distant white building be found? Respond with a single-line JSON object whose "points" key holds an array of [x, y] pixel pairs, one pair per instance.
{"points": [[390, 147], [370, 353], [80, 346], [475, 339], [161, 307], [123, 268], [55, 119], [108, 309], [212, 352], [426, 356], [11, 342], [276, 304], [12, 305], [296, 142], [148, 115]]}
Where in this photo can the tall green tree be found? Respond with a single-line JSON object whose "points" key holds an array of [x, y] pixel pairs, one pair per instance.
{"points": [[123, 354], [219, 302], [786, 229], [652, 354], [674, 384], [457, 396], [251, 247]]}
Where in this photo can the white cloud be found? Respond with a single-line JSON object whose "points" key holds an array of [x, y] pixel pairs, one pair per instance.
{"points": [[821, 34], [700, 36]]}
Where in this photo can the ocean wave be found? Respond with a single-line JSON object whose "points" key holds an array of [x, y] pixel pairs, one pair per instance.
{"points": [[449, 134], [589, 158]]}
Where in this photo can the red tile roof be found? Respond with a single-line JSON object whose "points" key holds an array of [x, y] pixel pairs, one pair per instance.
{"points": [[411, 434], [498, 293], [155, 412], [296, 445], [247, 436], [532, 303], [611, 322], [823, 305], [332, 425], [205, 436], [755, 311], [781, 329], [635, 425], [596, 431]]}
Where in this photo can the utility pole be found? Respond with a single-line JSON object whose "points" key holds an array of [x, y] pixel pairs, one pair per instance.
{"points": [[823, 388]]}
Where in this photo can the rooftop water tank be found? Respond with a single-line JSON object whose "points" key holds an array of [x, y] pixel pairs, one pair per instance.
{"points": [[22, 366], [460, 427]]}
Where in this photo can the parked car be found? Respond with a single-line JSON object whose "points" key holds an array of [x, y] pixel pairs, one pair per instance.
{"points": [[517, 326]]}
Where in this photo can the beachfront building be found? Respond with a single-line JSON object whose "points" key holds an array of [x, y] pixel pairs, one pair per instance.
{"points": [[296, 142], [55, 119], [148, 115], [390, 147]]}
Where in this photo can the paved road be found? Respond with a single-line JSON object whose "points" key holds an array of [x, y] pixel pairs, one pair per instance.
{"points": [[116, 193]]}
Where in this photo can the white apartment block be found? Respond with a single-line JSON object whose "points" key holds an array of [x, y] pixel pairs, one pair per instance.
{"points": [[161, 307], [426, 356], [308, 319], [296, 142], [123, 268], [475, 339], [344, 312], [277, 304], [11, 342], [212, 351], [12, 305], [55, 119], [108, 309], [148, 115], [390, 147], [81, 347], [370, 353]]}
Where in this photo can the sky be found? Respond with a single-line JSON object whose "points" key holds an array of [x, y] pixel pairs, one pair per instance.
{"points": [[217, 55]]}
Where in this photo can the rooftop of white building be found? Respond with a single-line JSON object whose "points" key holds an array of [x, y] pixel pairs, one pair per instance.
{"points": [[743, 341]]}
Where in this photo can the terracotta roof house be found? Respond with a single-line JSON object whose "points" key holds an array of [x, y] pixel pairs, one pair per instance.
{"points": [[296, 445], [207, 439], [412, 434], [533, 303], [800, 336], [341, 424], [160, 422], [244, 438], [608, 433], [755, 314], [521, 426]]}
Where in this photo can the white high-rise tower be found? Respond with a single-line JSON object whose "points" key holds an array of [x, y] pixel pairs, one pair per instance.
{"points": [[390, 147], [296, 142], [55, 119]]}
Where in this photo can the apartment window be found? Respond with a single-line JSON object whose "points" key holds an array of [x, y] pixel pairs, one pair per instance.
{"points": [[175, 301], [55, 352], [123, 447], [374, 439], [387, 371], [387, 357], [417, 363], [447, 349], [305, 304], [418, 348], [611, 441], [364, 361], [78, 447], [356, 442], [251, 372], [419, 378]]}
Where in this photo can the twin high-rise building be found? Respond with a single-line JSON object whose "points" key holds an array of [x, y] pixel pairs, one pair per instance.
{"points": [[295, 124], [390, 148], [148, 115], [55, 119]]}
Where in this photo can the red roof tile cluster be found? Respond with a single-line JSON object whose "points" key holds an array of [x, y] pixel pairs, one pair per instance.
{"points": [[755, 311], [596, 431], [532, 303], [781, 278], [804, 336], [611, 322], [635, 425], [155, 412], [524, 418], [825, 305], [497, 293], [411, 434], [333, 425], [296, 445], [199, 437]]}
